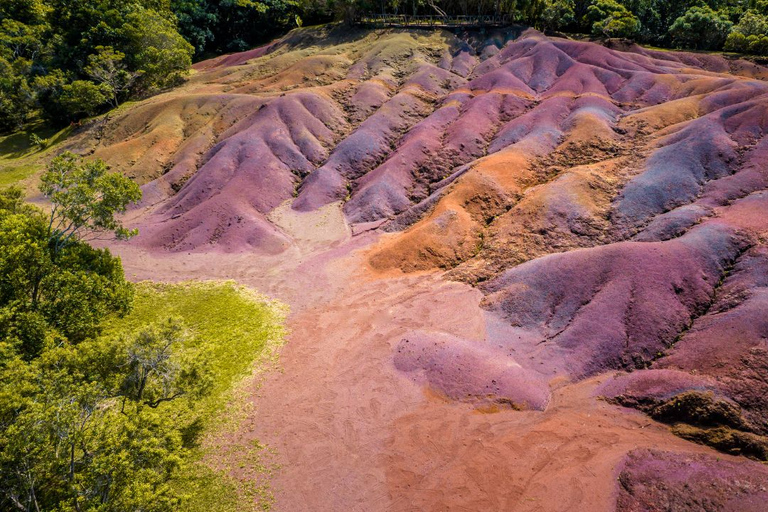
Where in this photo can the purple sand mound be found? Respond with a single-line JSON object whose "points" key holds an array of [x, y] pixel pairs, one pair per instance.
{"points": [[657, 481], [654, 384], [469, 371], [619, 305]]}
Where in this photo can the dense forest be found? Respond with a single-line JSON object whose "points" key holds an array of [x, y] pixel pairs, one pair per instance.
{"points": [[63, 60]]}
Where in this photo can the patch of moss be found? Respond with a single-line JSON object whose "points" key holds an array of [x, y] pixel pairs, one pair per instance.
{"points": [[704, 418], [725, 439]]}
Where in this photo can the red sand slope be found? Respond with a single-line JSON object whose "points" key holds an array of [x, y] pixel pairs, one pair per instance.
{"points": [[479, 237]]}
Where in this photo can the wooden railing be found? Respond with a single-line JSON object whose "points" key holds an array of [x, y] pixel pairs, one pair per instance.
{"points": [[432, 21]]}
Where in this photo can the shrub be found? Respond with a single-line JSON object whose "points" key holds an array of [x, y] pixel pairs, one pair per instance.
{"points": [[156, 50]]}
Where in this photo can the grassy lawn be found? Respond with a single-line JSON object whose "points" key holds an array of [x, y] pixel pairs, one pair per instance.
{"points": [[20, 159], [11, 175], [245, 330]]}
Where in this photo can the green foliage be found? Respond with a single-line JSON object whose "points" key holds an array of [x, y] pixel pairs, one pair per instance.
{"points": [[154, 373], [611, 19], [63, 101], [47, 294], [31, 12], [236, 324], [234, 329], [701, 28], [16, 96], [754, 44], [750, 35], [37, 141], [106, 67], [54, 287], [73, 441], [70, 59], [82, 98], [197, 20], [752, 23], [75, 58], [156, 51], [236, 19], [85, 199], [558, 14]]}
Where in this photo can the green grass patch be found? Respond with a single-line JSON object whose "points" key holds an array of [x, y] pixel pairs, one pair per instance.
{"points": [[244, 329], [20, 158], [19, 144], [12, 175]]}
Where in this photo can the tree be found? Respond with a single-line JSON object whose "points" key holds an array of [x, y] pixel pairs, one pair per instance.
{"points": [[69, 443], [85, 199], [30, 12], [82, 98], [63, 101], [17, 99], [609, 18], [701, 28], [557, 14], [153, 374], [87, 422], [49, 294], [156, 50], [750, 35], [21, 40], [106, 67], [71, 58], [197, 20]]}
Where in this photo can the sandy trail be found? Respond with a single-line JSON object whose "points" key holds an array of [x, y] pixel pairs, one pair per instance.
{"points": [[353, 433]]}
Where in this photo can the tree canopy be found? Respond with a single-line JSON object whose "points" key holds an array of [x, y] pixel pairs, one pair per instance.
{"points": [[85, 199], [70, 59]]}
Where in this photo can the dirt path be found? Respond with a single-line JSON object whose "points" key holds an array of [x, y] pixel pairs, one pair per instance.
{"points": [[353, 433]]}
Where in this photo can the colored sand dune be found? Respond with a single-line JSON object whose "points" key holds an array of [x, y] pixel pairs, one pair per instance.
{"points": [[608, 208]]}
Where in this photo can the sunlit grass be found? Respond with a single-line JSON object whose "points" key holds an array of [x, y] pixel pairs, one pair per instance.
{"points": [[244, 330], [12, 175], [20, 158]]}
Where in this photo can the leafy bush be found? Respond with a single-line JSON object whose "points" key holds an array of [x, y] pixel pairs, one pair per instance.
{"points": [[51, 288], [82, 98], [155, 50], [17, 99]]}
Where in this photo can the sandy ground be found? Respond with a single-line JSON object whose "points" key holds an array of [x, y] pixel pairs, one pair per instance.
{"points": [[500, 152], [353, 433]]}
